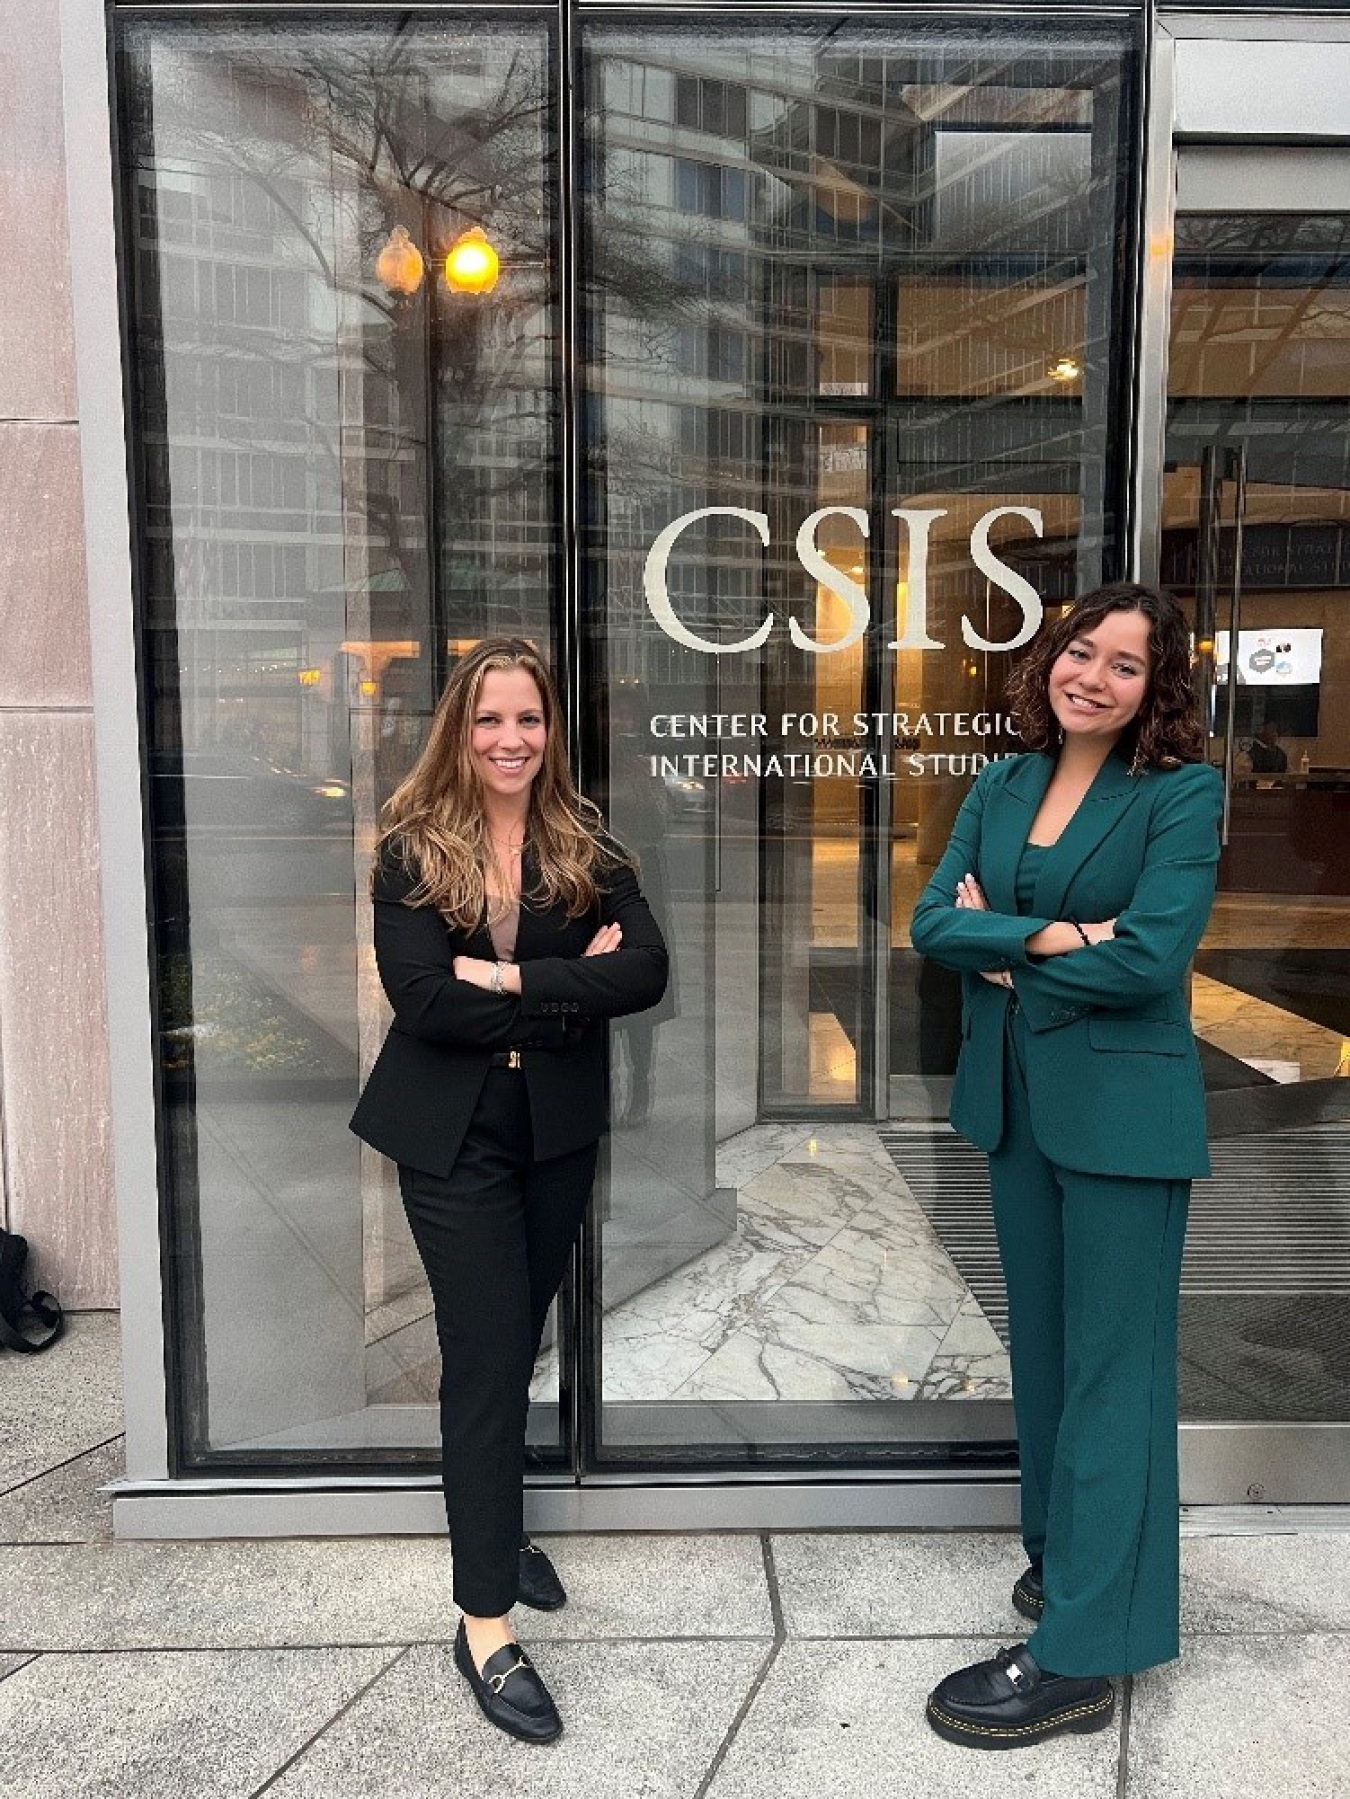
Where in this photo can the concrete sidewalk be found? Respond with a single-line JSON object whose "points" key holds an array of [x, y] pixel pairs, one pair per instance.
{"points": [[736, 1666]]}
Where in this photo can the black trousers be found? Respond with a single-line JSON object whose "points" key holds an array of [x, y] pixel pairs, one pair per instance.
{"points": [[494, 1237]]}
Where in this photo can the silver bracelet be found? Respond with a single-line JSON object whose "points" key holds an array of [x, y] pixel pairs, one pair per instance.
{"points": [[495, 985]]}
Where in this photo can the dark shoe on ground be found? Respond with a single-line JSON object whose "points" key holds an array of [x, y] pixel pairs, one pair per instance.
{"points": [[539, 1583], [510, 1692], [1011, 1700], [1029, 1594]]}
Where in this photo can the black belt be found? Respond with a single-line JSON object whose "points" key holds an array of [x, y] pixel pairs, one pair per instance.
{"points": [[507, 1058]]}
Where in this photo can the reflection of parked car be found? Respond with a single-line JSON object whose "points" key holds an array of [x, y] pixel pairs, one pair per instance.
{"points": [[226, 790], [686, 796]]}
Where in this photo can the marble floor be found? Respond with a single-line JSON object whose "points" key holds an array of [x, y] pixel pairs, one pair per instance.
{"points": [[1268, 1038], [832, 1286]]}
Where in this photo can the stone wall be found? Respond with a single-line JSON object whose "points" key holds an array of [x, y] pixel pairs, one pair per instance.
{"points": [[54, 1102]]}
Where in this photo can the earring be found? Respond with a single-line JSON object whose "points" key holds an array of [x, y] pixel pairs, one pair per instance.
{"points": [[1138, 765]]}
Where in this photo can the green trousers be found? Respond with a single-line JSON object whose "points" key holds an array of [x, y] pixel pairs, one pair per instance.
{"points": [[1093, 1268]]}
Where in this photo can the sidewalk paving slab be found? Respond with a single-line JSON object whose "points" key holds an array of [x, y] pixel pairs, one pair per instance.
{"points": [[1263, 1718], [640, 1720], [844, 1719], [240, 1595], [10, 1664], [292, 1592], [60, 1404], [898, 1584], [1232, 1585], [210, 1724], [710, 1585], [66, 1505]]}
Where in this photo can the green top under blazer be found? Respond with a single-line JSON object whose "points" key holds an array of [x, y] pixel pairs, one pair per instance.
{"points": [[1113, 1077]]}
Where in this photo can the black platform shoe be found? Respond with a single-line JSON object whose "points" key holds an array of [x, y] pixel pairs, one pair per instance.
{"points": [[509, 1691], [1029, 1594], [539, 1584], [1011, 1700]]}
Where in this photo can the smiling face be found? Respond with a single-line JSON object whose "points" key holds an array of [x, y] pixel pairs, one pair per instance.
{"points": [[508, 732], [1099, 680]]}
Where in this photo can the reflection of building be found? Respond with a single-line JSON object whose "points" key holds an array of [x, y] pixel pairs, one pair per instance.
{"points": [[294, 495], [892, 266]]}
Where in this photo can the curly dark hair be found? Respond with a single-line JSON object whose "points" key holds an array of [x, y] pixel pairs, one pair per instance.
{"points": [[1166, 730]]}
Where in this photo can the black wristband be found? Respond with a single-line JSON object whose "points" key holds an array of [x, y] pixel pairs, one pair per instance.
{"points": [[1081, 932]]}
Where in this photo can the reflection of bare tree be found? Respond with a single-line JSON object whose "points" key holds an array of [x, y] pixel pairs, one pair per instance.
{"points": [[325, 140], [1217, 304]]}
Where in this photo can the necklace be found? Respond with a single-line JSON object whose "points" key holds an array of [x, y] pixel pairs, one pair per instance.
{"points": [[504, 861]]}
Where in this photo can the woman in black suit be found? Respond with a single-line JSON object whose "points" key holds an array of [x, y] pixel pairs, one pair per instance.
{"points": [[508, 928]]}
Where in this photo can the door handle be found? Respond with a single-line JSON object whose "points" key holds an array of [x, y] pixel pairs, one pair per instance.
{"points": [[1220, 465], [1235, 469]]}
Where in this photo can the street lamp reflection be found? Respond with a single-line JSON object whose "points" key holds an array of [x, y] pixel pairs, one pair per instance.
{"points": [[472, 265], [399, 265]]}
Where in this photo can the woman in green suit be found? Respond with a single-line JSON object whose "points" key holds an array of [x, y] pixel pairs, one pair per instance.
{"points": [[1072, 895]]}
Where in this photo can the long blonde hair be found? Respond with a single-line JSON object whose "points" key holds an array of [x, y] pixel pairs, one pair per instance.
{"points": [[434, 821]]}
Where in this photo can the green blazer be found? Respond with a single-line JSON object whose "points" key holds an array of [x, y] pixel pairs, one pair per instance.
{"points": [[1113, 1077]]}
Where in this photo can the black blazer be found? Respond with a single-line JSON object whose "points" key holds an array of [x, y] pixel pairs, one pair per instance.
{"points": [[426, 1081]]}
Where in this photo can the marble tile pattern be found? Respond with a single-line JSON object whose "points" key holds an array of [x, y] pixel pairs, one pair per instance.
{"points": [[1261, 1034], [833, 1286], [1279, 921]]}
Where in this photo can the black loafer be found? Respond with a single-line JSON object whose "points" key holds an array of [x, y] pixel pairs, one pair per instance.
{"points": [[1029, 1594], [539, 1583], [1011, 1700], [510, 1692]]}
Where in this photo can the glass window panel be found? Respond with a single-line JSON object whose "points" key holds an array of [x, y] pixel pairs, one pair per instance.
{"points": [[1258, 456], [349, 473]]}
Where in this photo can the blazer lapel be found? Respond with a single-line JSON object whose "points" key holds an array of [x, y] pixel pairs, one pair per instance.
{"points": [[478, 942], [537, 932], [1007, 820], [1103, 806]]}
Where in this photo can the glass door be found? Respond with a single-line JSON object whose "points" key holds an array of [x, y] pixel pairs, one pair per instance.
{"points": [[854, 348], [1256, 541]]}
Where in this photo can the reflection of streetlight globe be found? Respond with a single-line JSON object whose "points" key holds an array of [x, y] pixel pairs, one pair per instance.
{"points": [[399, 265], [472, 266]]}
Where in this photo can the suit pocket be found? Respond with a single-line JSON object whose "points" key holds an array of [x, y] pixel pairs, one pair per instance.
{"points": [[1138, 1036]]}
